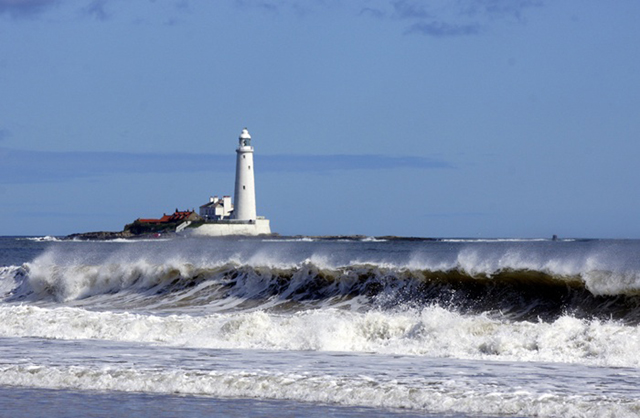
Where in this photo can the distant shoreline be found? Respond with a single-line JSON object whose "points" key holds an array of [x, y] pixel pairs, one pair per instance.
{"points": [[112, 235]]}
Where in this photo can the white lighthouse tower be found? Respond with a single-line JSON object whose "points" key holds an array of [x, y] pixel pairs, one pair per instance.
{"points": [[245, 194], [243, 220]]}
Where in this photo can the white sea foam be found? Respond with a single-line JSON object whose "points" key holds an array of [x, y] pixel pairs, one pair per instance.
{"points": [[47, 238], [373, 239], [137, 240], [435, 395], [78, 281], [303, 239], [433, 332]]}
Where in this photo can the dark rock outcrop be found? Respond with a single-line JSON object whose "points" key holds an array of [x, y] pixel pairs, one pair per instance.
{"points": [[100, 235]]}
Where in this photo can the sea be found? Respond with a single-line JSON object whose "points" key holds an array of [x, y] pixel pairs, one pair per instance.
{"points": [[317, 327]]}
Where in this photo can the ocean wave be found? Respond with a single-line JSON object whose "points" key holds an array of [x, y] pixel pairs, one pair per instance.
{"points": [[517, 294], [431, 332], [10, 278], [302, 239], [435, 397], [593, 280], [47, 238]]}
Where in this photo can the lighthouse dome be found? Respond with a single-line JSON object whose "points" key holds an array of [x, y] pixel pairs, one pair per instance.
{"points": [[245, 134]]}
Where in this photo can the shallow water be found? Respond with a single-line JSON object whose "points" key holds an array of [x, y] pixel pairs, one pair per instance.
{"points": [[29, 402]]}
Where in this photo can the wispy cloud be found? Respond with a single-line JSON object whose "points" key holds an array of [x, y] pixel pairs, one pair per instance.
{"points": [[97, 10], [447, 18], [20, 166], [437, 18], [24, 8], [408, 9], [300, 8], [101, 10], [497, 8]]}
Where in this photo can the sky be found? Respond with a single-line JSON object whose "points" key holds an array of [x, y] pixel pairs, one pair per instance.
{"points": [[428, 118]]}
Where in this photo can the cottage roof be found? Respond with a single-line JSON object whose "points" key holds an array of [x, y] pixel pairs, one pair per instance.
{"points": [[176, 216]]}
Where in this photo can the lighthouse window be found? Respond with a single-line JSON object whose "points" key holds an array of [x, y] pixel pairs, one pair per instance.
{"points": [[243, 187], [249, 167], [244, 156]]}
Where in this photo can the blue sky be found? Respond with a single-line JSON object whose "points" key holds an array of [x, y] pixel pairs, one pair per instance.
{"points": [[466, 118]]}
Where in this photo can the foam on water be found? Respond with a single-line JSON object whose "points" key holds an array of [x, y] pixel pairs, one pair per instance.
{"points": [[433, 393], [47, 238], [432, 332]]}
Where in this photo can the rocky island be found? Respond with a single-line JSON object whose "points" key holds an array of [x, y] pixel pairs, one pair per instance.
{"points": [[147, 228]]}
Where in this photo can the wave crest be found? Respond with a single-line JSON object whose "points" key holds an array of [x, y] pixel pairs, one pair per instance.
{"points": [[431, 331], [519, 294]]}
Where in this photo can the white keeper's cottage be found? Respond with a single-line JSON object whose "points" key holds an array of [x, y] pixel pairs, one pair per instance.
{"points": [[217, 209]]}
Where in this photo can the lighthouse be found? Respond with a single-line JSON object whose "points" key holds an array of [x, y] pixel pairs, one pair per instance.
{"points": [[245, 195], [223, 218]]}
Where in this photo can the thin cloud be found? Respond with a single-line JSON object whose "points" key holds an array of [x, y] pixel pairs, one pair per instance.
{"points": [[20, 166], [446, 18], [498, 8], [24, 8], [101, 10], [436, 18], [408, 9], [96, 9]]}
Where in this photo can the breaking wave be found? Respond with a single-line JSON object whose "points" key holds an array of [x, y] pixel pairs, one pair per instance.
{"points": [[228, 285], [47, 238], [430, 331]]}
